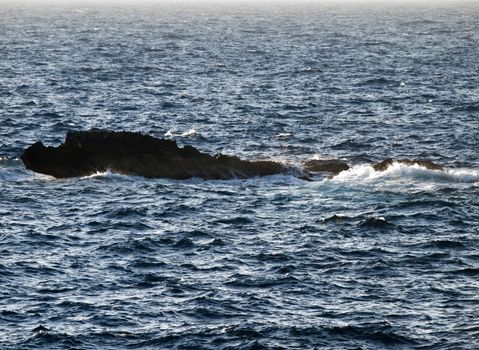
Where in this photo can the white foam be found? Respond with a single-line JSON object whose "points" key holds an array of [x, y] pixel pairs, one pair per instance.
{"points": [[169, 133], [319, 156], [109, 174], [189, 133], [406, 173], [43, 177], [284, 135]]}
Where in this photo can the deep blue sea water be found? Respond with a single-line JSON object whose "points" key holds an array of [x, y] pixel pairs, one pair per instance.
{"points": [[363, 260]]}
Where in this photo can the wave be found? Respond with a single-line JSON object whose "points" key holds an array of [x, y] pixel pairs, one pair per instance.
{"points": [[365, 173], [188, 133], [7, 176], [21, 175], [284, 135], [18, 175], [277, 179], [359, 174], [110, 174], [361, 221]]}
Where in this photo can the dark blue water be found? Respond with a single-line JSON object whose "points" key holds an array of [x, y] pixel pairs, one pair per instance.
{"points": [[364, 260]]}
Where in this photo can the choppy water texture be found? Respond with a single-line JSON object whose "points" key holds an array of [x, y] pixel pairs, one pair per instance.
{"points": [[364, 260]]}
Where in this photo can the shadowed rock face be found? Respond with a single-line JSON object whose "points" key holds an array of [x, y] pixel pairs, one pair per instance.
{"points": [[87, 152], [389, 161], [332, 166]]}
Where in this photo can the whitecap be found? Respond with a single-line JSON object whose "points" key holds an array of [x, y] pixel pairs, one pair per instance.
{"points": [[284, 135]]}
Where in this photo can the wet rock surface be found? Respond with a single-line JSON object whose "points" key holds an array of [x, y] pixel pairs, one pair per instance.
{"points": [[87, 152], [382, 166], [332, 166]]}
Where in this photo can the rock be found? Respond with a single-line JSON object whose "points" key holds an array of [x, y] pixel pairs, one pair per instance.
{"points": [[87, 152], [40, 329], [333, 166], [389, 161]]}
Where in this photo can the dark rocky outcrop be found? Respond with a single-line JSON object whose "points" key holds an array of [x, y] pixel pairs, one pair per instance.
{"points": [[87, 152], [332, 166], [389, 161]]}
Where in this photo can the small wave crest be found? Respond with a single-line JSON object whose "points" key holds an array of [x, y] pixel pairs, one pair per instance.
{"points": [[101, 174], [410, 173], [187, 133], [110, 174], [361, 221]]}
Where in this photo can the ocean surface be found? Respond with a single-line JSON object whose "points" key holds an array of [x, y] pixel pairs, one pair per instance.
{"points": [[362, 260]]}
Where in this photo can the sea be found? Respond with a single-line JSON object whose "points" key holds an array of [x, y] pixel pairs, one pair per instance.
{"points": [[362, 260]]}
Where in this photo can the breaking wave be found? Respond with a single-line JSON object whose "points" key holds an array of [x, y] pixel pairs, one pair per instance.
{"points": [[365, 173]]}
